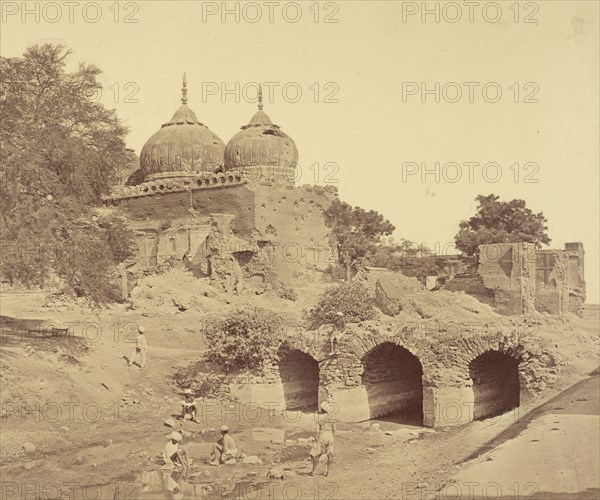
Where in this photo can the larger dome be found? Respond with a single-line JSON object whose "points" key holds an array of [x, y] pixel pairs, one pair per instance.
{"points": [[182, 145], [260, 143]]}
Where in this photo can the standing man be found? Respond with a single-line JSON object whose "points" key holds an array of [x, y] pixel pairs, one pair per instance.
{"points": [[325, 435], [140, 348], [339, 326]]}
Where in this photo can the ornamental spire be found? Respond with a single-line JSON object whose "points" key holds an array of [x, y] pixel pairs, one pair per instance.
{"points": [[184, 98], [260, 99]]}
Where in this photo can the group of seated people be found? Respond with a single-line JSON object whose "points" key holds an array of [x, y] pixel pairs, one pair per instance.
{"points": [[223, 449]]}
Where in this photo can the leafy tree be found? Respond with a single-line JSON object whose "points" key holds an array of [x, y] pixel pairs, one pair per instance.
{"points": [[244, 338], [501, 222], [60, 151], [407, 257], [356, 232], [351, 298]]}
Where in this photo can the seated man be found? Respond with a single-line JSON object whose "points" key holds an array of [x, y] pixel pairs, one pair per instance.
{"points": [[224, 449], [188, 406], [172, 454]]}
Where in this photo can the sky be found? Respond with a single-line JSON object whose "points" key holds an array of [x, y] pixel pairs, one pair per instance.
{"points": [[409, 108]]}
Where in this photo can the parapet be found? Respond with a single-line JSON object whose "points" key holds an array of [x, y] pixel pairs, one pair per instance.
{"points": [[188, 181]]}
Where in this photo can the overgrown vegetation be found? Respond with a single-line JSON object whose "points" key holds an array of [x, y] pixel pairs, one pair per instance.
{"points": [[244, 339], [60, 151], [351, 298]]}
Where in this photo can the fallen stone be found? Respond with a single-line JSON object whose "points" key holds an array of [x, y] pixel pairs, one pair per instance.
{"points": [[29, 447], [276, 473], [231, 461], [251, 459], [169, 422]]}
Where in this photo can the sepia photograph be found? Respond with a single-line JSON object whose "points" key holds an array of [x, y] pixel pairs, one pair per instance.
{"points": [[299, 250]]}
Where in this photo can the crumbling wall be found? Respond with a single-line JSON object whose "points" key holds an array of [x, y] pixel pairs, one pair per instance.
{"points": [[174, 207], [552, 289], [576, 277], [508, 269], [454, 387], [291, 219], [523, 279]]}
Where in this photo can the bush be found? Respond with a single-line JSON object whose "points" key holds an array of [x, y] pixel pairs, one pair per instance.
{"points": [[245, 338], [352, 298], [286, 292]]}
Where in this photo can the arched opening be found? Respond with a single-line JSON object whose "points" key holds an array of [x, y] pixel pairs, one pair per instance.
{"points": [[496, 386], [299, 374], [393, 379]]}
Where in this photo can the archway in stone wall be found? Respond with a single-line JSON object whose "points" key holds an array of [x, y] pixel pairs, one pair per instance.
{"points": [[496, 387], [393, 379], [299, 374]]}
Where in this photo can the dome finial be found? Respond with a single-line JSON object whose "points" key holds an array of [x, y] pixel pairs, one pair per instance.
{"points": [[260, 99], [184, 98]]}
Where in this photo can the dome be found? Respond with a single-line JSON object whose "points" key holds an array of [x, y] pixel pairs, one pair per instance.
{"points": [[183, 144], [261, 142]]}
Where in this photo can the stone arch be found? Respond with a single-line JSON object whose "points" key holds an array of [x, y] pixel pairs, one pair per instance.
{"points": [[496, 383], [393, 380], [299, 373]]}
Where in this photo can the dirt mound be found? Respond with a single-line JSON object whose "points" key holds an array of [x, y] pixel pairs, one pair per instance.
{"points": [[402, 296]]}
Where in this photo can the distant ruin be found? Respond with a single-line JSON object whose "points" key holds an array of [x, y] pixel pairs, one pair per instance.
{"points": [[524, 279]]}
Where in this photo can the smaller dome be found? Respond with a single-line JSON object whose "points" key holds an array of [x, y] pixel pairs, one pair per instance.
{"points": [[259, 143], [183, 144]]}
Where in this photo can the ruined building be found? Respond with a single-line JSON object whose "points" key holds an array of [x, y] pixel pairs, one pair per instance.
{"points": [[230, 212], [523, 280]]}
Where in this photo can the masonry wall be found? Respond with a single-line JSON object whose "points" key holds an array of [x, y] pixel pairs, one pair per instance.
{"points": [[524, 280], [508, 270], [159, 208], [291, 218], [455, 387]]}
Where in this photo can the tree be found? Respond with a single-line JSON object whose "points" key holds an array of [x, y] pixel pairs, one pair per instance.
{"points": [[410, 259], [356, 232], [60, 151], [501, 222]]}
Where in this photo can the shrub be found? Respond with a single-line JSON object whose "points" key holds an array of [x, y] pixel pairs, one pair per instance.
{"points": [[244, 338], [352, 298], [286, 292]]}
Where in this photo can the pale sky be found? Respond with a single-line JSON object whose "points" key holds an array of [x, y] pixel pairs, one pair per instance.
{"points": [[365, 61]]}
